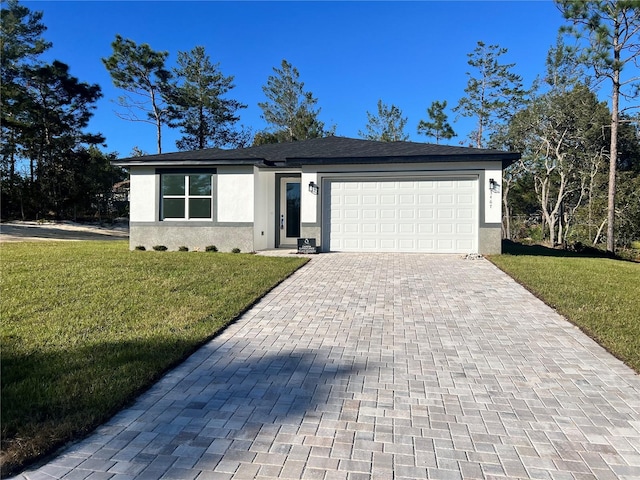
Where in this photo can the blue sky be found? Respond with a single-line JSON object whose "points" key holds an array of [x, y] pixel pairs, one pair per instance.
{"points": [[349, 54]]}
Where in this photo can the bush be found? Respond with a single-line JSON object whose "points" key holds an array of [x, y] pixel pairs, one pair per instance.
{"points": [[211, 248], [235, 250], [140, 247], [160, 248], [635, 245], [183, 249]]}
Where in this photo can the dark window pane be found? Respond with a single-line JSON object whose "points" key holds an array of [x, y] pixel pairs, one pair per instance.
{"points": [[199, 208], [293, 209], [200, 184], [172, 184], [173, 208]]}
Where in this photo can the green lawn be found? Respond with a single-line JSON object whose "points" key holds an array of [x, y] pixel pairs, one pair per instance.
{"points": [[86, 326], [599, 295]]}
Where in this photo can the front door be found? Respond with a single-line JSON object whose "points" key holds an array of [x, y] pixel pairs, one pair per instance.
{"points": [[289, 211]]}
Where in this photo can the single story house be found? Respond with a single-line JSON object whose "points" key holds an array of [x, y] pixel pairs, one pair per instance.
{"points": [[347, 194]]}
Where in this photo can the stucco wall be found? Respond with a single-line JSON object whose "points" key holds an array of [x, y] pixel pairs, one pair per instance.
{"points": [[492, 198], [490, 240], [235, 193], [142, 197], [195, 237]]}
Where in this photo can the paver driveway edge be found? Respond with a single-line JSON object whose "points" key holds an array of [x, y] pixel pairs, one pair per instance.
{"points": [[381, 366]]}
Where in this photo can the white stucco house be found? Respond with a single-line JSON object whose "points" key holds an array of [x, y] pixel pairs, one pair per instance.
{"points": [[347, 194]]}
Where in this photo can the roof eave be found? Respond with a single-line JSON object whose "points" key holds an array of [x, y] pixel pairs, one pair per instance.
{"points": [[506, 159], [189, 163]]}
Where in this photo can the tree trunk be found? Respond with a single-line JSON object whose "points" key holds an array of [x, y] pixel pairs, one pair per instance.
{"points": [[596, 239], [159, 127], [611, 212]]}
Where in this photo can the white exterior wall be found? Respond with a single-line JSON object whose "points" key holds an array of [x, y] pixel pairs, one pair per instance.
{"points": [[142, 197], [235, 195], [264, 207], [308, 201], [492, 199]]}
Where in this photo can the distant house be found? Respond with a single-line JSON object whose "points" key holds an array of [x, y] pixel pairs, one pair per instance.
{"points": [[350, 195]]}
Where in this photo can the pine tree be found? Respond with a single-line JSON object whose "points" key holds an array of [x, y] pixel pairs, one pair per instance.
{"points": [[387, 126], [290, 111], [141, 73], [198, 104], [493, 95], [438, 127]]}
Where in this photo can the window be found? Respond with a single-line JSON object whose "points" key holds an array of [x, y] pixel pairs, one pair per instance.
{"points": [[186, 196]]}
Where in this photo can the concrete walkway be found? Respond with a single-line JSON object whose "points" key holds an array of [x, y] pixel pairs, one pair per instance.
{"points": [[385, 366]]}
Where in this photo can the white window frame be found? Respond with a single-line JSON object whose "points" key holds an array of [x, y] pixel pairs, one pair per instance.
{"points": [[187, 196]]}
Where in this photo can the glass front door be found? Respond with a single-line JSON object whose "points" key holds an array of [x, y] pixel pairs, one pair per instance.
{"points": [[289, 211]]}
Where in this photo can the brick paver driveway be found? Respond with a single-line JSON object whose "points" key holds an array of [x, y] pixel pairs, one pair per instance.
{"points": [[387, 367]]}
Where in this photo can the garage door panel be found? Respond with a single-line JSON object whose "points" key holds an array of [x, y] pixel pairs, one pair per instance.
{"points": [[388, 228], [426, 228], [464, 245], [446, 213], [465, 199], [425, 199], [464, 229], [426, 213], [369, 214], [407, 244], [407, 228], [464, 213], [445, 228], [430, 215], [445, 199]]}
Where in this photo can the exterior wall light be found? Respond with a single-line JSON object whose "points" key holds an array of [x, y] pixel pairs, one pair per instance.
{"points": [[314, 188], [494, 186]]}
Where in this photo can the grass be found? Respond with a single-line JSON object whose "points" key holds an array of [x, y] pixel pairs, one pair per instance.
{"points": [[87, 326], [599, 295]]}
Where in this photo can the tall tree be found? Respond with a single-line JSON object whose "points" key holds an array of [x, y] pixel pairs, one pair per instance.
{"points": [[21, 43], [560, 136], [612, 28], [290, 111], [387, 126], [198, 104], [562, 74], [141, 73], [493, 95], [60, 112], [438, 125]]}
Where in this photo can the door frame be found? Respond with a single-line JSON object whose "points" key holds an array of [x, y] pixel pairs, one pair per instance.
{"points": [[281, 241]]}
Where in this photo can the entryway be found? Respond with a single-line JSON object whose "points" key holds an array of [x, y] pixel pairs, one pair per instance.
{"points": [[289, 212]]}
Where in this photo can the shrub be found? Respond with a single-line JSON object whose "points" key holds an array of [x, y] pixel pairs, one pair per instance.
{"points": [[635, 245], [211, 248], [140, 247], [183, 249], [159, 248], [235, 250]]}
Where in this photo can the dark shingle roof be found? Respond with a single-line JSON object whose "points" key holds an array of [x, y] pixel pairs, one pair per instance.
{"points": [[328, 150]]}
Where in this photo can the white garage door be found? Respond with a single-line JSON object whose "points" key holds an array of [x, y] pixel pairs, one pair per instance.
{"points": [[432, 216]]}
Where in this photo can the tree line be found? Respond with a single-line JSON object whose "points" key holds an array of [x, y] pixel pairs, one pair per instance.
{"points": [[577, 179]]}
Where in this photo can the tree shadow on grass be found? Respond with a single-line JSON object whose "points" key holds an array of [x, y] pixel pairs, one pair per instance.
{"points": [[581, 251]]}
